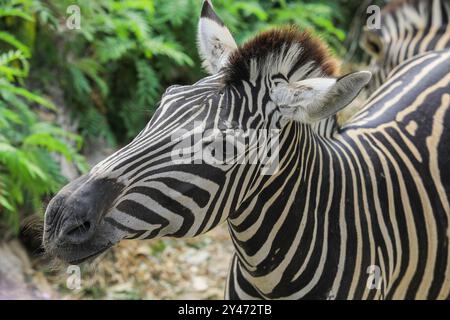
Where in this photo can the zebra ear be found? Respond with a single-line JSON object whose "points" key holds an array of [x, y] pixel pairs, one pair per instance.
{"points": [[215, 42], [314, 99]]}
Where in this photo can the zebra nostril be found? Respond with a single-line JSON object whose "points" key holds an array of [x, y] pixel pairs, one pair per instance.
{"points": [[77, 232]]}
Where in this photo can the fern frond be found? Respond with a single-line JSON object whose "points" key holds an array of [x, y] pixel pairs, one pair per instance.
{"points": [[157, 46], [8, 70], [30, 96], [13, 41], [174, 11], [148, 85], [112, 49], [13, 12]]}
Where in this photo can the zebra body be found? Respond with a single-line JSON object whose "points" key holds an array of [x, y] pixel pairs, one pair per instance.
{"points": [[408, 28], [374, 194], [371, 194]]}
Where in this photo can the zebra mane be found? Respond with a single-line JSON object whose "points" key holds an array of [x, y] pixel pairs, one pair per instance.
{"points": [[286, 52]]}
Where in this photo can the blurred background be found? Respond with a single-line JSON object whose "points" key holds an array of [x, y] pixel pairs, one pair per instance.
{"points": [[70, 96]]}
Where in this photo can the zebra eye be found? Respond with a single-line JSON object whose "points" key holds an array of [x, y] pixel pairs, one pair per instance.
{"points": [[374, 47], [372, 44]]}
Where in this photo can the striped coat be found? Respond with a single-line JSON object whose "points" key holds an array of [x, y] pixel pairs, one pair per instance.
{"points": [[408, 28]]}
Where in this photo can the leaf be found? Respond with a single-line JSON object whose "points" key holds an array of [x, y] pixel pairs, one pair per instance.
{"points": [[143, 5], [157, 46], [32, 169], [329, 27], [10, 116], [79, 81], [112, 49], [28, 95], [11, 12], [10, 71], [148, 83], [138, 25], [251, 8], [13, 41], [92, 68], [6, 204], [48, 142], [174, 11], [44, 127]]}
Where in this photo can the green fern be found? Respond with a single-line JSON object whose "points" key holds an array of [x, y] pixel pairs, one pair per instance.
{"points": [[175, 12], [14, 42], [112, 48], [157, 46], [9, 69], [28, 169], [14, 12], [148, 85]]}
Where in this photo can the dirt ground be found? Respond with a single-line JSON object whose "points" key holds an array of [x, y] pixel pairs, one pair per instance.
{"points": [[153, 269]]}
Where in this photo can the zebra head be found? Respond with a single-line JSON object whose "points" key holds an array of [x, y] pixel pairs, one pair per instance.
{"points": [[407, 28], [169, 181]]}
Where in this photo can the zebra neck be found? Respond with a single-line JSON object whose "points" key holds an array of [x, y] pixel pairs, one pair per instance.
{"points": [[326, 127], [288, 207]]}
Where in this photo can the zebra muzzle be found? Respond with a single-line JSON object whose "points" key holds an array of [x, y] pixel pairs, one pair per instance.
{"points": [[75, 215]]}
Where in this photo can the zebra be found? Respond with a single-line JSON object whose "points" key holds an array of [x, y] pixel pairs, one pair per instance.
{"points": [[357, 212], [407, 28]]}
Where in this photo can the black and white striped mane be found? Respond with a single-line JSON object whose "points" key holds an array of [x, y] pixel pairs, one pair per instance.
{"points": [[285, 52]]}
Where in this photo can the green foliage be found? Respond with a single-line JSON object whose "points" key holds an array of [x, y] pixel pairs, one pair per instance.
{"points": [[321, 17], [114, 68], [28, 169]]}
